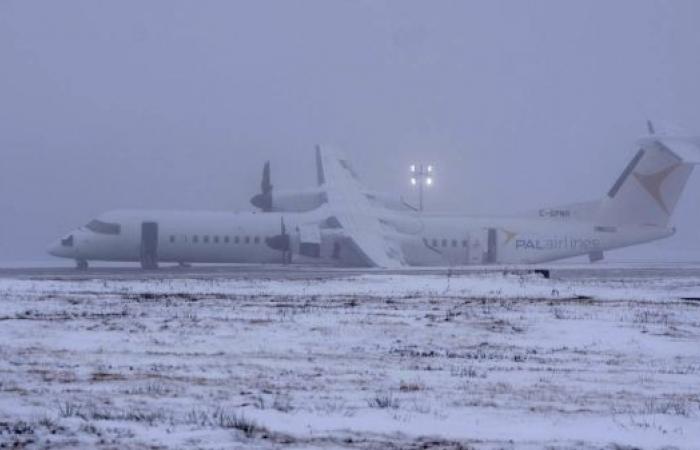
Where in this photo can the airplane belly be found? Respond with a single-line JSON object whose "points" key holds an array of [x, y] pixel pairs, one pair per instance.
{"points": [[92, 246]]}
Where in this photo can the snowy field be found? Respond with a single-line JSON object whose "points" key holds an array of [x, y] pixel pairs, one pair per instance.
{"points": [[352, 362]]}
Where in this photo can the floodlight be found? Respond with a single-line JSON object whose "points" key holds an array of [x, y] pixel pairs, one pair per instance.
{"points": [[421, 176]]}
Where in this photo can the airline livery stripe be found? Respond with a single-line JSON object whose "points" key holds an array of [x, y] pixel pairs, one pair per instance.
{"points": [[621, 180]]}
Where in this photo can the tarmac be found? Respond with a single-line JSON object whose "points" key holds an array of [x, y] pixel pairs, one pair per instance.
{"points": [[296, 272]]}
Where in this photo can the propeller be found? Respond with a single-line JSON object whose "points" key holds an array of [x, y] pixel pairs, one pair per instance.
{"points": [[263, 200], [281, 242]]}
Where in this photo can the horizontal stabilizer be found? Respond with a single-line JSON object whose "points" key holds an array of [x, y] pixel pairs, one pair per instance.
{"points": [[687, 149]]}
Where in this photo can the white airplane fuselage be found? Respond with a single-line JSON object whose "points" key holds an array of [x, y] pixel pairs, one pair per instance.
{"points": [[223, 237], [183, 237], [350, 226], [504, 240]]}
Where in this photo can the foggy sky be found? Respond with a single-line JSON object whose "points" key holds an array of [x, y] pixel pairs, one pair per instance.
{"points": [[177, 104]]}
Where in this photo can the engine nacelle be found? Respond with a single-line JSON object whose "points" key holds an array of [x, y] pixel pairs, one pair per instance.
{"points": [[310, 199], [297, 201], [289, 201], [270, 200]]}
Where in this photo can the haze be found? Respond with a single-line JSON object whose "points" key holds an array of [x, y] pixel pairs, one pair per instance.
{"points": [[177, 104]]}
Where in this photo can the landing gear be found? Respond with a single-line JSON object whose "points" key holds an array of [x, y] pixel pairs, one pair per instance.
{"points": [[81, 264], [596, 256], [148, 262]]}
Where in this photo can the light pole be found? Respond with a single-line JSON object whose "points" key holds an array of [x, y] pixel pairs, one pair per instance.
{"points": [[421, 175]]}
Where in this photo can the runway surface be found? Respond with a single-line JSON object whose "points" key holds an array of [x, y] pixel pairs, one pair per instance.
{"points": [[299, 272]]}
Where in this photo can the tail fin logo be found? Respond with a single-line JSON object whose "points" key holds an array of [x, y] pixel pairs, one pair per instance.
{"points": [[652, 184]]}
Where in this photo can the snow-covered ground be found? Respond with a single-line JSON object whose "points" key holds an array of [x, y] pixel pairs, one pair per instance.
{"points": [[367, 361]]}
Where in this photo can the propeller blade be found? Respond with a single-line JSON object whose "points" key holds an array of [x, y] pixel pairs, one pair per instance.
{"points": [[265, 184], [281, 242], [263, 200]]}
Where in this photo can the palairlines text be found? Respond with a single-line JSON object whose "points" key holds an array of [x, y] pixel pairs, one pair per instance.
{"points": [[557, 244]]}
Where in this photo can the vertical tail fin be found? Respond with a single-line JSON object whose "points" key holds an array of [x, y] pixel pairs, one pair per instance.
{"points": [[647, 191]]}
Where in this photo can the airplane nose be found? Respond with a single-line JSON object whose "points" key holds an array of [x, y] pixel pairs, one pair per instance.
{"points": [[62, 247], [54, 249]]}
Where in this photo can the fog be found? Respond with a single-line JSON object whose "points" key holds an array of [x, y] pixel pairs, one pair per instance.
{"points": [[177, 104]]}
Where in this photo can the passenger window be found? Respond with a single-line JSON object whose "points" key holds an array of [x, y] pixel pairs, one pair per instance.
{"points": [[257, 239], [435, 244], [236, 240], [444, 242], [206, 239], [454, 242], [247, 239], [464, 243], [195, 238], [226, 240], [216, 239], [172, 239]]}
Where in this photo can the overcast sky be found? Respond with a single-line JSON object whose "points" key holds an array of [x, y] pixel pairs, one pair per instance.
{"points": [[177, 104]]}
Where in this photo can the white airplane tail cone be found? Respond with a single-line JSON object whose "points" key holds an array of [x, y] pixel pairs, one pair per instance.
{"points": [[649, 188]]}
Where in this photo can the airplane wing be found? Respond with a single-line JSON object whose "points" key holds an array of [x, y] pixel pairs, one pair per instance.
{"points": [[350, 206]]}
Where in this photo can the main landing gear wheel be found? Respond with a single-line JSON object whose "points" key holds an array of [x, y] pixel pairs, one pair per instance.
{"points": [[148, 262], [81, 264]]}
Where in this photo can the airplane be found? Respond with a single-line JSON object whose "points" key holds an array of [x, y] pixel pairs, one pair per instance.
{"points": [[340, 223]]}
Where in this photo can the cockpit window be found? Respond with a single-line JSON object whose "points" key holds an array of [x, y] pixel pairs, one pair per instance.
{"points": [[67, 241], [104, 227]]}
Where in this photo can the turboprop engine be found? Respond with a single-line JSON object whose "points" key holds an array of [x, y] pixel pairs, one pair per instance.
{"points": [[289, 201], [269, 200], [303, 200]]}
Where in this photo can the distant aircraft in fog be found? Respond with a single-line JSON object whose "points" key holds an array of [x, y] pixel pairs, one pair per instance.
{"points": [[341, 223]]}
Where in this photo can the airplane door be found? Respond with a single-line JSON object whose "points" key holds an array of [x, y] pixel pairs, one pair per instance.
{"points": [[149, 245], [491, 255]]}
